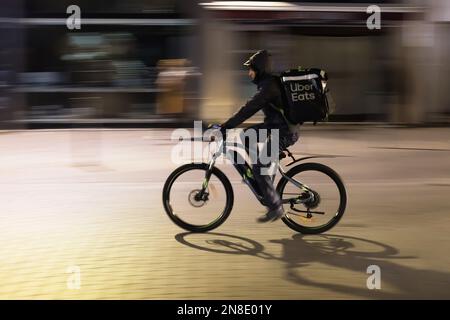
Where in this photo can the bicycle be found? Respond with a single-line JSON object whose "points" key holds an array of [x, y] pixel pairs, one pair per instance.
{"points": [[203, 180]]}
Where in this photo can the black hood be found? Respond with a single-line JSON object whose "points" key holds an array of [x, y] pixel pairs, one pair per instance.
{"points": [[260, 62]]}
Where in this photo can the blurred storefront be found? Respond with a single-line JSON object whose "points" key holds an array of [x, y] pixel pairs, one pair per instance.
{"points": [[104, 72], [375, 75], [164, 62]]}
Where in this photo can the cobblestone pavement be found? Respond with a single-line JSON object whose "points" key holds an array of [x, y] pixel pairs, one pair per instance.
{"points": [[90, 201]]}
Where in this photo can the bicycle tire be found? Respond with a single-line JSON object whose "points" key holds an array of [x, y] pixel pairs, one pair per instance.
{"points": [[311, 166], [187, 226]]}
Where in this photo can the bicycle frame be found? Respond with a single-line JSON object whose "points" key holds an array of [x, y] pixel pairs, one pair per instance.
{"points": [[246, 172]]}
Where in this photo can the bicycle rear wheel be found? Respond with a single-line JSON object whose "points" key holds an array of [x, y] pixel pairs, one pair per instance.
{"points": [[327, 207], [192, 210]]}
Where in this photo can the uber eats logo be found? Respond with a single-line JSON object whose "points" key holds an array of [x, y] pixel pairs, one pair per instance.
{"points": [[301, 92]]}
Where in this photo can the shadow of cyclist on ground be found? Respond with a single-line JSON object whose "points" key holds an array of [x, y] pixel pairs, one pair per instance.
{"points": [[339, 253], [226, 243], [342, 252]]}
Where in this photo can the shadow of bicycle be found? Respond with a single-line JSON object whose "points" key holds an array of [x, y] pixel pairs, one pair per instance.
{"points": [[335, 252]]}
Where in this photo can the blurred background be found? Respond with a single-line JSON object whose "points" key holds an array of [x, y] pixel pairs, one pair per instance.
{"points": [[169, 62], [90, 200]]}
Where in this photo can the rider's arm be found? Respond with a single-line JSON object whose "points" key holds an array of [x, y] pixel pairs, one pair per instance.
{"points": [[264, 95]]}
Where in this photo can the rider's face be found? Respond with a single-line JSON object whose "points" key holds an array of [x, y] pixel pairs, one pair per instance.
{"points": [[251, 73]]}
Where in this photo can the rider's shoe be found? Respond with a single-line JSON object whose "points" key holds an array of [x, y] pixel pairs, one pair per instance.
{"points": [[272, 215]]}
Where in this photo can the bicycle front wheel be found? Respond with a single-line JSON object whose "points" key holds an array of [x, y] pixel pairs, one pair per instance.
{"points": [[190, 208], [325, 208]]}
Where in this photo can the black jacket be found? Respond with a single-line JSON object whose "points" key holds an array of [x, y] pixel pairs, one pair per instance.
{"points": [[268, 98]]}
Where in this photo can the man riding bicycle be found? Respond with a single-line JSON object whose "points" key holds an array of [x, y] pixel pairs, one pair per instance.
{"points": [[268, 99], [287, 100]]}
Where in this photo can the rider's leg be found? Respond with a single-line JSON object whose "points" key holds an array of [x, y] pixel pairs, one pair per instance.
{"points": [[264, 180]]}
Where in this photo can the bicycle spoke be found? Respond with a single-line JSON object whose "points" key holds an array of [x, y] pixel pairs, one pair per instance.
{"points": [[193, 205], [316, 212]]}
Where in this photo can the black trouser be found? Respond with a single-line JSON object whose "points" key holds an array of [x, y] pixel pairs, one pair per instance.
{"points": [[260, 165]]}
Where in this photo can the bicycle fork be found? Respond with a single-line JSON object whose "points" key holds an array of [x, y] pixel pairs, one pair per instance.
{"points": [[203, 194]]}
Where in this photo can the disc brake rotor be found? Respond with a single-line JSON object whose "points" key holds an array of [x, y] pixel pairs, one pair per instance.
{"points": [[193, 201]]}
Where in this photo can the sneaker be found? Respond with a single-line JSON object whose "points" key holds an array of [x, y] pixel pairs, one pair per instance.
{"points": [[272, 215]]}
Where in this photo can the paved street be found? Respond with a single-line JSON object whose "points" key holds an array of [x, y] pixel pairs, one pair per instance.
{"points": [[90, 201]]}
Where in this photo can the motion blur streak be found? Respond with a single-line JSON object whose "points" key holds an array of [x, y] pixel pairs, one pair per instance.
{"points": [[86, 117]]}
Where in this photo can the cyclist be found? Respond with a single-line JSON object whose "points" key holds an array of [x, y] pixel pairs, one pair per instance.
{"points": [[268, 99]]}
